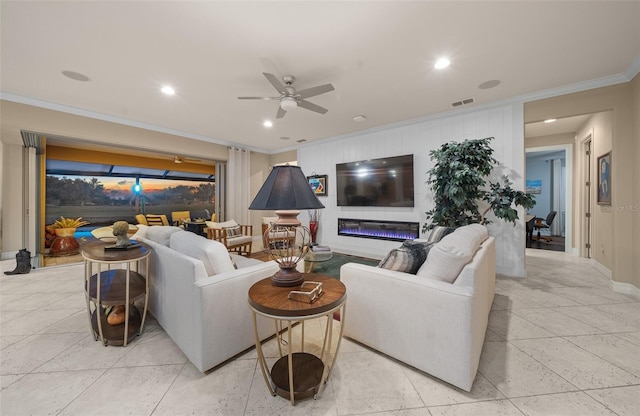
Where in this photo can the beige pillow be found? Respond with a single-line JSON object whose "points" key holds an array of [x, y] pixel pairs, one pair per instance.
{"points": [[219, 225], [447, 258]]}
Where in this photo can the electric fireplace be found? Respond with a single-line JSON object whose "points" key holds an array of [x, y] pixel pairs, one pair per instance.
{"points": [[380, 230]]}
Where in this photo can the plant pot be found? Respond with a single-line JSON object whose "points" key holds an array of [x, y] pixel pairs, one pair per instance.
{"points": [[65, 243], [65, 232]]}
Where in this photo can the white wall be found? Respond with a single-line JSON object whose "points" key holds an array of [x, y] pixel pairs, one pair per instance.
{"points": [[505, 123]]}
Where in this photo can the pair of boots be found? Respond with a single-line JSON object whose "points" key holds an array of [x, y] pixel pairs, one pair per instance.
{"points": [[23, 262]]}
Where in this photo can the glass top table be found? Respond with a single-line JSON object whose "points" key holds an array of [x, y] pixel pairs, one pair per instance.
{"points": [[319, 255]]}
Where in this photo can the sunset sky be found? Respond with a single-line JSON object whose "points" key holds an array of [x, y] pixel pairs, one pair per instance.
{"points": [[123, 185]]}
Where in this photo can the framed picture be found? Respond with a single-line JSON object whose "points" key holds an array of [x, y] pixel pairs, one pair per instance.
{"points": [[319, 184], [604, 179], [534, 186]]}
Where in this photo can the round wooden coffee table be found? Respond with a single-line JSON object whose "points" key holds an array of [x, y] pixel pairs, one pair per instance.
{"points": [[298, 375]]}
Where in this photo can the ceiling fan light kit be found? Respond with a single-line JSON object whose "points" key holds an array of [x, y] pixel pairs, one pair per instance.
{"points": [[290, 98], [288, 103]]}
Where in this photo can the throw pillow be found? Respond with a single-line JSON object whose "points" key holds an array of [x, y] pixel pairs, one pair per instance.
{"points": [[234, 231], [438, 232], [406, 259]]}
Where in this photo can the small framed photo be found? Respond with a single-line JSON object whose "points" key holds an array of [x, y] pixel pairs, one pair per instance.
{"points": [[318, 184], [604, 179]]}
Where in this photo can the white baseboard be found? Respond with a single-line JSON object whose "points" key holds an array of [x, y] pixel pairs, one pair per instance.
{"points": [[8, 255], [619, 287], [626, 288], [599, 267]]}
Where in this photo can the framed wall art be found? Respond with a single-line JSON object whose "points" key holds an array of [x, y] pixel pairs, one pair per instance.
{"points": [[604, 179], [319, 184]]}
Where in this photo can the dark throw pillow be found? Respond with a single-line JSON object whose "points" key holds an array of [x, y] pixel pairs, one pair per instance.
{"points": [[408, 258], [438, 232]]}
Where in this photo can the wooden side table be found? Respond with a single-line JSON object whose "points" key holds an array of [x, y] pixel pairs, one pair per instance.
{"points": [[298, 375], [115, 277]]}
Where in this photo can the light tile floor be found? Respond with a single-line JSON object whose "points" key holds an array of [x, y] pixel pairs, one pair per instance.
{"points": [[559, 342]]}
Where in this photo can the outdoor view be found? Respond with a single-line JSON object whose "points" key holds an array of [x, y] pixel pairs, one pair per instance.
{"points": [[104, 200]]}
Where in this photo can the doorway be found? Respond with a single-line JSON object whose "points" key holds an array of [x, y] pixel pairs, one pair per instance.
{"points": [[549, 178]]}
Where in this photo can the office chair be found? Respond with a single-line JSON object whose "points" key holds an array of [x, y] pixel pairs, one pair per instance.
{"points": [[539, 224]]}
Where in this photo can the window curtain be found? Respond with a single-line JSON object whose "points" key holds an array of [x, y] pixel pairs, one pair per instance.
{"points": [[238, 173], [32, 217]]}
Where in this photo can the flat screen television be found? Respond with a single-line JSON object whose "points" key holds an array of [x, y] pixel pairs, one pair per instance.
{"points": [[385, 182]]}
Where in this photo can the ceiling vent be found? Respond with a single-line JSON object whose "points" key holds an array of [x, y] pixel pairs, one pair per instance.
{"points": [[463, 102]]}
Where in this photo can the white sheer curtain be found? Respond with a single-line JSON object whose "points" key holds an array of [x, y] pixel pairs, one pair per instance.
{"points": [[238, 174]]}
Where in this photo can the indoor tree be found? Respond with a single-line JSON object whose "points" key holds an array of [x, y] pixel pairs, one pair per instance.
{"points": [[460, 180]]}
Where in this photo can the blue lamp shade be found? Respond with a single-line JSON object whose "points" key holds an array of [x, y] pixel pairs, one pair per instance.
{"points": [[286, 188]]}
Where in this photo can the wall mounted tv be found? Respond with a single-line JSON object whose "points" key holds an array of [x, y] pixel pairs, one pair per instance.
{"points": [[386, 182]]}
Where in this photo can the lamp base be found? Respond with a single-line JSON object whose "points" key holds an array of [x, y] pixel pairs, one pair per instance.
{"points": [[287, 277]]}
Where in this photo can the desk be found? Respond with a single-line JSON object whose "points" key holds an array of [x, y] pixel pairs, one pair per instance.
{"points": [[115, 285], [298, 375]]}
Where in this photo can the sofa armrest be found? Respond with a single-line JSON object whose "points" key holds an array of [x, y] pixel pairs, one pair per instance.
{"points": [[224, 321], [422, 322]]}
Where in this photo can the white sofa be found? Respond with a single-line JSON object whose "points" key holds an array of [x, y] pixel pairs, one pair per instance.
{"points": [[433, 325], [199, 297]]}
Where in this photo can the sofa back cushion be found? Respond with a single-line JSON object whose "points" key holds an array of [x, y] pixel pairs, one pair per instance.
{"points": [[160, 234], [220, 225], [213, 255], [447, 258]]}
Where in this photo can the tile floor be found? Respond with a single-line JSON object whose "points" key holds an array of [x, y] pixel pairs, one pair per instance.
{"points": [[559, 343]]}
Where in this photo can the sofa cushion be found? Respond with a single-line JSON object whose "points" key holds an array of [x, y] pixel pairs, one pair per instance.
{"points": [[213, 254], [447, 258], [161, 234], [219, 225], [438, 232], [403, 259], [234, 231], [142, 231]]}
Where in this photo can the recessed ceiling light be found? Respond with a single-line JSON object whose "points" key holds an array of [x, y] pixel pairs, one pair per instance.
{"points": [[168, 90], [75, 76], [442, 63], [267, 123], [360, 118], [284, 138], [301, 141], [489, 84], [550, 120]]}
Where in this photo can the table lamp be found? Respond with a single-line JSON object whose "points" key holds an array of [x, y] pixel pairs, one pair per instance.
{"points": [[286, 191]]}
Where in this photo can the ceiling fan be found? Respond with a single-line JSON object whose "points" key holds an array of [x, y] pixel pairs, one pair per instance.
{"points": [[290, 98]]}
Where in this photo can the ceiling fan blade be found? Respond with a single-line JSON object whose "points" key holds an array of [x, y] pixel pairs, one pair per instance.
{"points": [[275, 82], [312, 106], [312, 92], [280, 113], [258, 98]]}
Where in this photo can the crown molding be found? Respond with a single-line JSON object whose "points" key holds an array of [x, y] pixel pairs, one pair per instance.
{"points": [[112, 119]]}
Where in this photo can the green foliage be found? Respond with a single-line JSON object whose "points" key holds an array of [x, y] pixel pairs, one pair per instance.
{"points": [[459, 179]]}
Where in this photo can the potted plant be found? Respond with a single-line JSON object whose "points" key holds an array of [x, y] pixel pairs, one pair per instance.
{"points": [[65, 243], [65, 227], [460, 182]]}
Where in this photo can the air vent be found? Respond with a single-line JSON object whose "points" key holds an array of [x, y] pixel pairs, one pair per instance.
{"points": [[463, 102]]}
